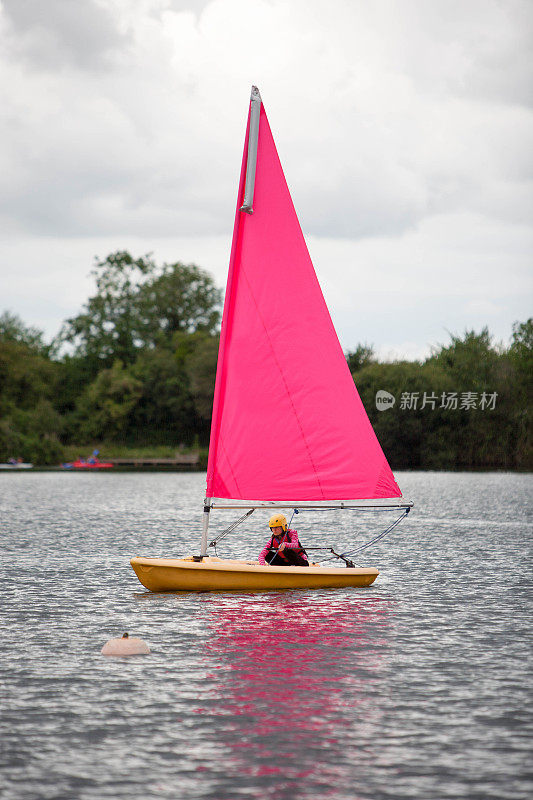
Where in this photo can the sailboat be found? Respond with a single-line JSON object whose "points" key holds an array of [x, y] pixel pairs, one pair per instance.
{"points": [[288, 430]]}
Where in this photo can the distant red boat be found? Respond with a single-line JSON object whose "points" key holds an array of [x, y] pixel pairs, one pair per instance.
{"points": [[90, 463], [81, 464]]}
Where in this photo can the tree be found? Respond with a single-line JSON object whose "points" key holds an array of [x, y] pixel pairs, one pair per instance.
{"points": [[182, 298], [29, 423], [362, 356], [409, 437], [201, 366], [140, 306], [164, 412], [12, 329], [107, 328], [26, 376], [521, 351], [481, 437], [521, 359], [104, 409], [470, 360]]}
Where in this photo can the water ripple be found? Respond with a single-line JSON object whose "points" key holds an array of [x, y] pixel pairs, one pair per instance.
{"points": [[417, 687]]}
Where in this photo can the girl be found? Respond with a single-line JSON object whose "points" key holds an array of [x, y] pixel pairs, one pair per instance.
{"points": [[283, 549]]}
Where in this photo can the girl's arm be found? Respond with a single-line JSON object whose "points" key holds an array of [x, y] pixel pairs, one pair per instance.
{"points": [[263, 553], [292, 539]]}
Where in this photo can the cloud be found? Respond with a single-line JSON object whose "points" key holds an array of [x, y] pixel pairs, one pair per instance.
{"points": [[370, 145], [404, 129], [56, 34]]}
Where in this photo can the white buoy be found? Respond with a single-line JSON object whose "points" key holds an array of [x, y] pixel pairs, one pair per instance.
{"points": [[125, 647]]}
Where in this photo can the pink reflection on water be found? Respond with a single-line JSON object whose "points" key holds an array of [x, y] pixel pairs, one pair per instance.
{"points": [[292, 675]]}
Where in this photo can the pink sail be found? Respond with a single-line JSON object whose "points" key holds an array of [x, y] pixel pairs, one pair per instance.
{"points": [[288, 422]]}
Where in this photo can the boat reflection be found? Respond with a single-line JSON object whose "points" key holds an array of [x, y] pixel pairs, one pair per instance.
{"points": [[291, 674]]}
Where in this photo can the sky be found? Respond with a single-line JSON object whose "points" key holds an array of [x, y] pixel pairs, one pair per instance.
{"points": [[404, 128]]}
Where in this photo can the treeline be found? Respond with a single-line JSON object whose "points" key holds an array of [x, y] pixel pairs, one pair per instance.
{"points": [[136, 369], [466, 406]]}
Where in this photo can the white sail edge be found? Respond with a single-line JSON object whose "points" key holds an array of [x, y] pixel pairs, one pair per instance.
{"points": [[221, 503]]}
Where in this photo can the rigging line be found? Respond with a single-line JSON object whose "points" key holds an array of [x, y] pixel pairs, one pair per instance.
{"points": [[377, 538], [327, 558], [230, 528], [350, 553], [282, 542], [342, 556], [295, 511]]}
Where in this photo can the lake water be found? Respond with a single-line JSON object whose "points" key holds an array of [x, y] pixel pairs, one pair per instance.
{"points": [[416, 687]]}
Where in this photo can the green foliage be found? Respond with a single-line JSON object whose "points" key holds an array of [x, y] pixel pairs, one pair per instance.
{"points": [[141, 367], [521, 379], [165, 409], [521, 355], [201, 365], [431, 436], [405, 436], [106, 329], [104, 408], [30, 425], [26, 376], [182, 298], [362, 356], [12, 329], [139, 306], [470, 361], [75, 374], [43, 450]]}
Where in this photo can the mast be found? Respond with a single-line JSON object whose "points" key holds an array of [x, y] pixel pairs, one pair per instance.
{"points": [[205, 526], [246, 192], [228, 300]]}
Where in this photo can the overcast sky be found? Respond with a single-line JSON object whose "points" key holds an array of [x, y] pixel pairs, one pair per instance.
{"points": [[404, 128]]}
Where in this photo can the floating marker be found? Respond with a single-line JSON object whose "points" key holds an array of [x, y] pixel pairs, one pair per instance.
{"points": [[125, 647]]}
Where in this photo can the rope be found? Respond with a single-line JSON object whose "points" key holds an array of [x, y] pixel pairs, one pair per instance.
{"points": [[230, 528], [347, 561], [282, 542], [292, 515], [367, 544], [377, 538]]}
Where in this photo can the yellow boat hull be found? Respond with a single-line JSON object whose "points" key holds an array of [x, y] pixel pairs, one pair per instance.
{"points": [[225, 575]]}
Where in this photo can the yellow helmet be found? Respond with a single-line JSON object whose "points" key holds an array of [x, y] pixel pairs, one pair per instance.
{"points": [[278, 519]]}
